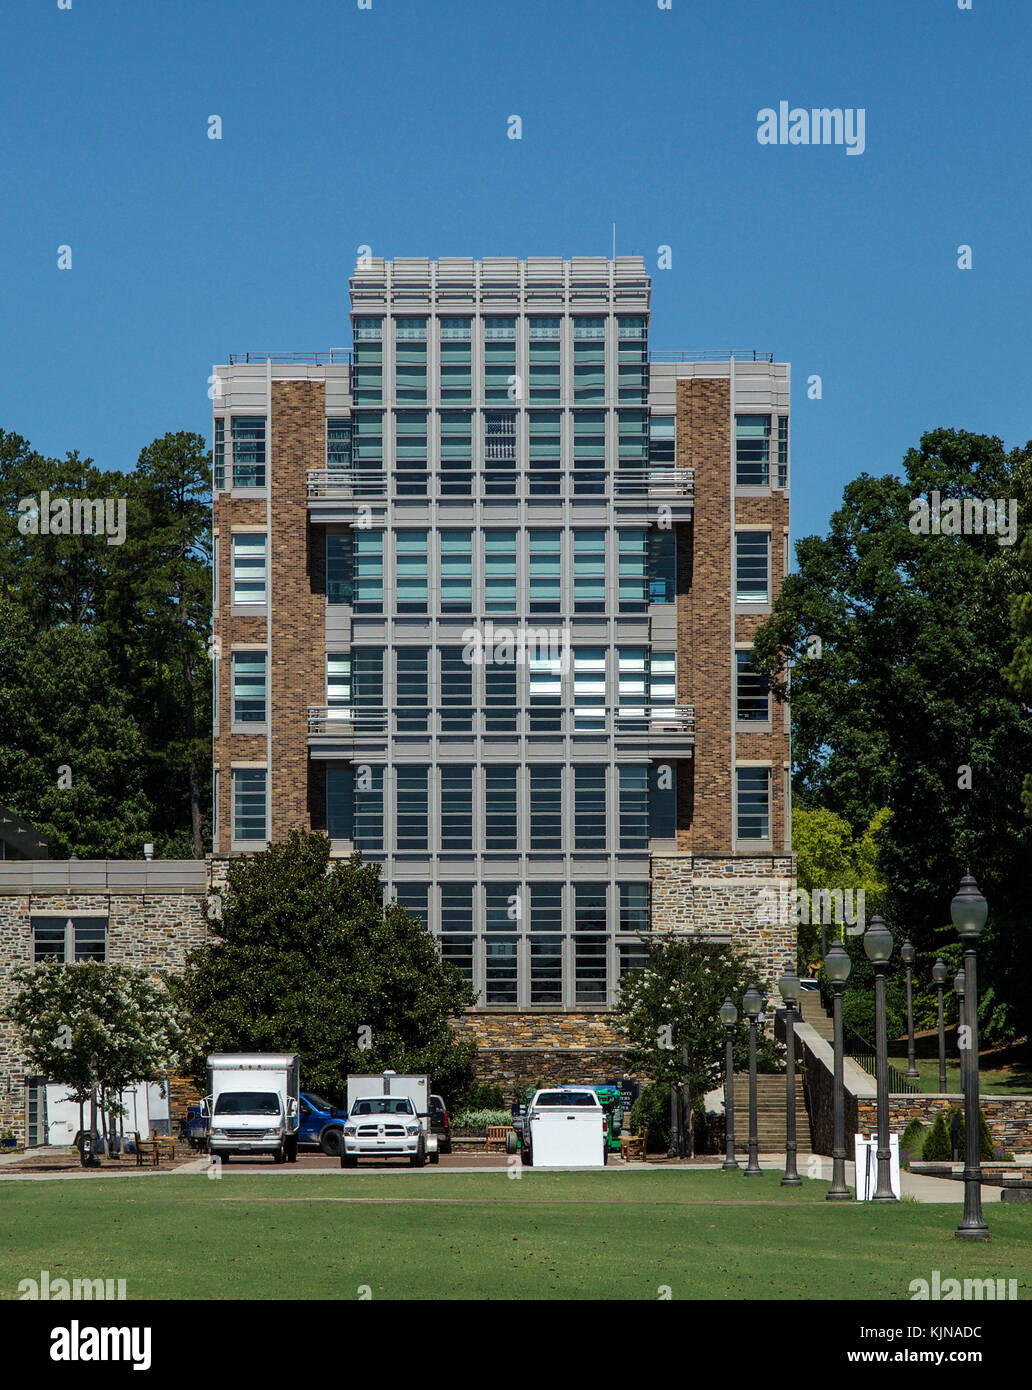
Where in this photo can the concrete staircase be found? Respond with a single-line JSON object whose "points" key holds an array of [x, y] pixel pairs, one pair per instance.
{"points": [[770, 1115]]}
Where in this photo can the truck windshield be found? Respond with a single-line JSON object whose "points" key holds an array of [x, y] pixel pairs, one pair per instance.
{"points": [[385, 1105], [248, 1103], [317, 1101], [567, 1099]]}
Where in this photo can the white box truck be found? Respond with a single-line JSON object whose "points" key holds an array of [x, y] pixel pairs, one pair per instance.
{"points": [[252, 1104], [565, 1127], [388, 1117]]}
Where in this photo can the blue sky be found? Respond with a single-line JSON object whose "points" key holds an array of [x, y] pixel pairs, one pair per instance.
{"points": [[387, 127]]}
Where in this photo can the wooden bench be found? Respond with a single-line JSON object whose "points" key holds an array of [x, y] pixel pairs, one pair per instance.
{"points": [[496, 1135], [147, 1150]]}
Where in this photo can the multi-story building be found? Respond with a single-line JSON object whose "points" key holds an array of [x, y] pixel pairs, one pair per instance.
{"points": [[485, 588]]}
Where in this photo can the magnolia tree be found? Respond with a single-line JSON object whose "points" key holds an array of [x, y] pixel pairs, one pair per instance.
{"points": [[94, 1027], [670, 1013]]}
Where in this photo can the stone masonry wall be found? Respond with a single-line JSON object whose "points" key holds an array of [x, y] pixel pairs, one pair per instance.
{"points": [[1009, 1117], [149, 931]]}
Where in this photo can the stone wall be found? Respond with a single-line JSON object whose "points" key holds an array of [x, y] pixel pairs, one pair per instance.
{"points": [[150, 931], [1009, 1117], [720, 895]]}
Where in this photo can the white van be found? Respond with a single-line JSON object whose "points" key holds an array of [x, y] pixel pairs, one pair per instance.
{"points": [[253, 1104]]}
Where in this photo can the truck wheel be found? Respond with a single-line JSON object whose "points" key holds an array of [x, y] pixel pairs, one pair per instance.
{"points": [[330, 1142], [280, 1156], [510, 1142], [292, 1150], [348, 1160], [418, 1159]]}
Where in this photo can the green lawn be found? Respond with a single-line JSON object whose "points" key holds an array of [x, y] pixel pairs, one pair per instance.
{"points": [[1008, 1073], [615, 1235]]}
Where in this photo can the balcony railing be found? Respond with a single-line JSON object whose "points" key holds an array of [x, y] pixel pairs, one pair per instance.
{"points": [[346, 483], [709, 355], [348, 722], [333, 357]]}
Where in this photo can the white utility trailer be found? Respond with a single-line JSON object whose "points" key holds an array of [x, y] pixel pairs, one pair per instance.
{"points": [[565, 1127]]}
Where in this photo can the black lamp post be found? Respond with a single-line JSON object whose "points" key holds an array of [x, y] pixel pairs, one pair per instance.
{"points": [[969, 911], [837, 966], [940, 974], [729, 1017], [752, 1004], [788, 987], [878, 946], [908, 954]]}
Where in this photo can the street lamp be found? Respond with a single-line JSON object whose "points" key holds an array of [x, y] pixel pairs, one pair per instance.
{"points": [[878, 946], [752, 1004], [940, 975], [788, 987], [837, 966], [908, 954], [729, 1017], [969, 911]]}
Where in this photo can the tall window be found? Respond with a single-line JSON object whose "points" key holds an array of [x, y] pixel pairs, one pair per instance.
{"points": [[545, 571], [545, 452], [500, 696], [415, 899], [752, 450], [499, 360], [500, 571], [662, 814], [457, 926], [249, 693], [632, 569], [632, 336], [456, 807], [413, 811], [752, 566], [366, 806], [546, 943], [368, 361], [589, 452], [456, 713], [634, 807], [500, 453], [546, 807], [219, 454], [500, 819], [590, 941], [456, 452], [338, 685], [662, 565], [633, 439], [456, 571], [410, 360], [589, 571], [589, 807], [545, 679], [339, 802], [589, 361], [367, 551], [367, 440], [249, 803], [410, 452], [635, 913], [782, 451], [69, 939], [248, 450], [753, 786], [662, 447], [456, 363], [338, 442], [501, 923], [544, 360], [752, 694], [249, 569], [589, 688], [412, 689], [411, 571]]}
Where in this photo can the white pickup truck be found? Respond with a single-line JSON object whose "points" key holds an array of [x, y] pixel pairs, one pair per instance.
{"points": [[564, 1127], [388, 1117]]}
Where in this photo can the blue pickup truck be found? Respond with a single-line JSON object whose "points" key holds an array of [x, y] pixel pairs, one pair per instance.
{"points": [[321, 1124]]}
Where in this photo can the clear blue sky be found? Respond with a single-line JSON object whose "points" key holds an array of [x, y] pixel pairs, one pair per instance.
{"points": [[387, 127]]}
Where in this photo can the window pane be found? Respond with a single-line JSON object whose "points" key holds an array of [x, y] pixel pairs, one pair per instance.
{"points": [[589, 809], [753, 803], [500, 571], [752, 694], [456, 571], [248, 451], [48, 939], [457, 926], [456, 691], [500, 807], [634, 907], [589, 571], [249, 569], [89, 936], [752, 450], [249, 687], [249, 804], [412, 807], [456, 808], [546, 808], [412, 691], [411, 571], [752, 565], [634, 808]]}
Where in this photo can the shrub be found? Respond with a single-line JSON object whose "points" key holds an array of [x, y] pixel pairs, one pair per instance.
{"points": [[983, 1129], [485, 1095], [938, 1147], [653, 1108], [470, 1118], [913, 1139]]}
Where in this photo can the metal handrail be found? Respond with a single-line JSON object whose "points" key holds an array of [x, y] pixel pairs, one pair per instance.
{"points": [[344, 481], [861, 1050], [333, 357], [708, 355], [351, 722]]}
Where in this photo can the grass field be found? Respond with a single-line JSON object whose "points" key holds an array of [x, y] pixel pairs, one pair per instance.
{"points": [[483, 1235]]}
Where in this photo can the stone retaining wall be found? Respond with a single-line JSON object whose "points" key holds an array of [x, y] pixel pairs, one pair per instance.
{"points": [[1009, 1117]]}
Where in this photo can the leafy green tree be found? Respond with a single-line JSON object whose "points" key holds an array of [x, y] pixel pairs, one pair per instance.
{"points": [[829, 856], [71, 751], [94, 1027], [907, 707], [669, 1011], [306, 959]]}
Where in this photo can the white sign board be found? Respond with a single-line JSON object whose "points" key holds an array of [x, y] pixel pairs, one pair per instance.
{"points": [[866, 1152], [562, 1139]]}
